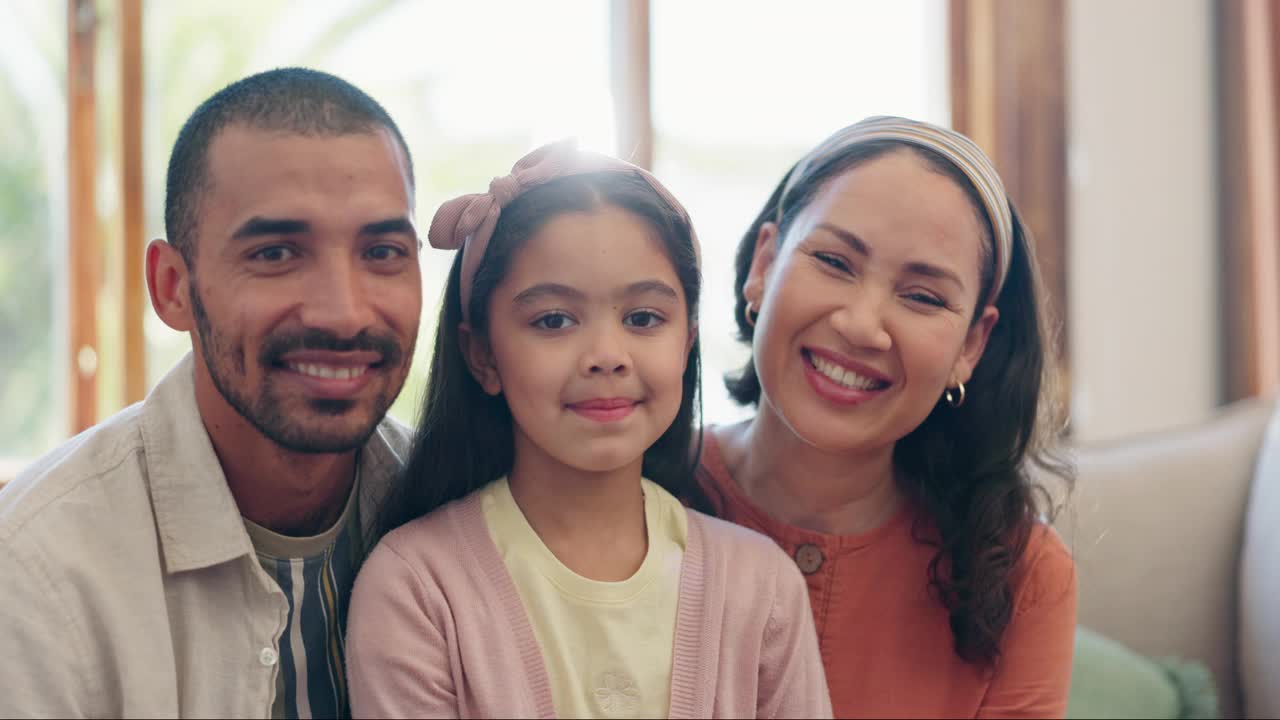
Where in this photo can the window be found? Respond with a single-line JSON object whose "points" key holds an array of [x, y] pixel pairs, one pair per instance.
{"points": [[33, 232], [738, 93]]}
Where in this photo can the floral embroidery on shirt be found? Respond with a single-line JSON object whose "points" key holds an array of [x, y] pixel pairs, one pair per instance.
{"points": [[617, 695]]}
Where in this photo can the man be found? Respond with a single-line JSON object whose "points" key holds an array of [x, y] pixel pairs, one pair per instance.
{"points": [[193, 554]]}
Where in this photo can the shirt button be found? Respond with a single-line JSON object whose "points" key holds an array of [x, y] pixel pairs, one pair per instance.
{"points": [[268, 656], [809, 558]]}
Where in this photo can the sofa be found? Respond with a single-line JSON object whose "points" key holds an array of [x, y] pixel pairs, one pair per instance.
{"points": [[1176, 537]]}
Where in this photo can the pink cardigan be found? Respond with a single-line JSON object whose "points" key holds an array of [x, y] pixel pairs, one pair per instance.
{"points": [[437, 628]]}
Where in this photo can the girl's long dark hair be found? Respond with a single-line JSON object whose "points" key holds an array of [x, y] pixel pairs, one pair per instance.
{"points": [[966, 467], [465, 438]]}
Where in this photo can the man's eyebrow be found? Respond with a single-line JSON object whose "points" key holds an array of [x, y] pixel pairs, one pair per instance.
{"points": [[850, 239], [651, 286], [259, 226], [392, 225], [542, 290]]}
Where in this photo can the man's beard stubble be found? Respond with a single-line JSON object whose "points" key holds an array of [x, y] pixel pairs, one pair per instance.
{"points": [[268, 415]]}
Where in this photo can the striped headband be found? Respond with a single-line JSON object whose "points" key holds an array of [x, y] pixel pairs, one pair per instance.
{"points": [[958, 149], [468, 221]]}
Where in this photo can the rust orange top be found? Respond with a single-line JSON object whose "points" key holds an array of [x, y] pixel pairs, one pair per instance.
{"points": [[885, 639]]}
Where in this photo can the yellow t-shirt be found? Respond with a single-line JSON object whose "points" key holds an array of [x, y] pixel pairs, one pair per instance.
{"points": [[607, 646]]}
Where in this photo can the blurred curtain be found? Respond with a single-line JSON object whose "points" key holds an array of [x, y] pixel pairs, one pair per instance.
{"points": [[1009, 93], [1249, 70]]}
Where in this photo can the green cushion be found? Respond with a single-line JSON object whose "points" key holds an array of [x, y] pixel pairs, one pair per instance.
{"points": [[1109, 680]]}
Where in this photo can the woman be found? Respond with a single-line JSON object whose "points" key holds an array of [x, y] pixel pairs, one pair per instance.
{"points": [[900, 369]]}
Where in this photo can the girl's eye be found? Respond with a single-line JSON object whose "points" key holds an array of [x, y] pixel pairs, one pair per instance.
{"points": [[385, 252], [643, 319], [834, 261], [553, 321], [274, 254]]}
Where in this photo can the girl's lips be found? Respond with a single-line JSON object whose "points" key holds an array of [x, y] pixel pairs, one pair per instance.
{"points": [[604, 409]]}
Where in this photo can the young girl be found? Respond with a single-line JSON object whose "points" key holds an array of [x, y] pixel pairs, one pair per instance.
{"points": [[546, 567]]}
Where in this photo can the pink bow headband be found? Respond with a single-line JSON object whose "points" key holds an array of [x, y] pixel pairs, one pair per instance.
{"points": [[468, 221]]}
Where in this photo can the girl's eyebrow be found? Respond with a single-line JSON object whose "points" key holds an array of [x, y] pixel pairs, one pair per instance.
{"points": [[541, 290], [644, 287], [651, 286]]}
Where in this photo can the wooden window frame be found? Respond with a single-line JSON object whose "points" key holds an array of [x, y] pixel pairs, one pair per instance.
{"points": [[133, 203], [84, 244], [1248, 73], [83, 262], [1008, 75]]}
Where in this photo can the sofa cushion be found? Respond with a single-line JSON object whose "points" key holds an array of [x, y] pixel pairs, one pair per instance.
{"points": [[1154, 526], [1109, 680], [1260, 584]]}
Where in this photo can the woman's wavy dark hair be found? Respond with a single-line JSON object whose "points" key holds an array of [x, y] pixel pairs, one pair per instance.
{"points": [[465, 438], [965, 467]]}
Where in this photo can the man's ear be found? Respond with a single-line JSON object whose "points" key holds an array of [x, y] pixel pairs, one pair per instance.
{"points": [[169, 282], [975, 342], [479, 356], [765, 252]]}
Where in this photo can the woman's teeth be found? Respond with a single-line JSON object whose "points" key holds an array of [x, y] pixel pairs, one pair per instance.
{"points": [[843, 376], [326, 371]]}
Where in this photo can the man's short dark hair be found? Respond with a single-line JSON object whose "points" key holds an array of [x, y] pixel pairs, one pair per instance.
{"points": [[297, 100]]}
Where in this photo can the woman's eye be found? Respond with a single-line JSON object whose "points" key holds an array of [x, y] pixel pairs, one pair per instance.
{"points": [[643, 319], [553, 321], [834, 261], [274, 254], [927, 299]]}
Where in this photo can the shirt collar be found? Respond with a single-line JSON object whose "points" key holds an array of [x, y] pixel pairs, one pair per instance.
{"points": [[197, 518]]}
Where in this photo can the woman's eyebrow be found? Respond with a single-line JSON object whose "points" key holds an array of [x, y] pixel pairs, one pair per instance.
{"points": [[850, 239], [915, 268], [933, 271]]}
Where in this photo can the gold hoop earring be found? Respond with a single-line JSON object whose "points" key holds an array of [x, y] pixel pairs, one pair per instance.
{"points": [[746, 313], [957, 399]]}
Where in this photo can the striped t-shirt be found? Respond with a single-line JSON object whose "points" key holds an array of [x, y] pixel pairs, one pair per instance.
{"points": [[316, 574]]}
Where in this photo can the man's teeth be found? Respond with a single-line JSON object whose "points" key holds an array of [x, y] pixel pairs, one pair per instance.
{"points": [[843, 376], [327, 371]]}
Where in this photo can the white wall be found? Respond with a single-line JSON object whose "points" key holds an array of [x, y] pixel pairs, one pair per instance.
{"points": [[1144, 264]]}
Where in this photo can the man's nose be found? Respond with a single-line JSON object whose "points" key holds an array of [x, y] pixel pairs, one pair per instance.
{"points": [[337, 299]]}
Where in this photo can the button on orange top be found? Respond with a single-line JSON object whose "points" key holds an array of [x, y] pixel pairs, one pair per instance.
{"points": [[809, 558]]}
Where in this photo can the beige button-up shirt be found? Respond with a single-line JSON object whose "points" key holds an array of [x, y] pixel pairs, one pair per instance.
{"points": [[128, 584]]}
